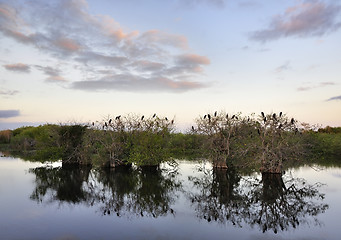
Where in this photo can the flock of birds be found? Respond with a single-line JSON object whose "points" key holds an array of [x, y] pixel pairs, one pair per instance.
{"points": [[274, 118], [118, 118]]}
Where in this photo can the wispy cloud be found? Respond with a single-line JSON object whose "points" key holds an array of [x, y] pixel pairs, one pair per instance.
{"points": [[193, 3], [249, 4], [95, 42], [284, 67], [53, 74], [9, 113], [306, 19], [8, 92], [310, 86], [334, 98], [18, 67]]}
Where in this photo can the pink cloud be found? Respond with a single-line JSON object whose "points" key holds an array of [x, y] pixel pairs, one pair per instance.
{"points": [[68, 44], [17, 67], [310, 18]]}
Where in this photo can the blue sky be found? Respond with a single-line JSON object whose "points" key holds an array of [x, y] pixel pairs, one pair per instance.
{"points": [[80, 61]]}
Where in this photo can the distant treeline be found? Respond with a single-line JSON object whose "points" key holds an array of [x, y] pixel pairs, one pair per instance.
{"points": [[264, 141]]}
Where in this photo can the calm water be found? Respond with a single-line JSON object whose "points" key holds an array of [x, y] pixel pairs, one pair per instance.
{"points": [[190, 201]]}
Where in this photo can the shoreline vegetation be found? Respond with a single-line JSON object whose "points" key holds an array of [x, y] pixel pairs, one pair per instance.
{"points": [[268, 143]]}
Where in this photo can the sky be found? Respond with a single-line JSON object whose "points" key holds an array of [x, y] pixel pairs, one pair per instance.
{"points": [[84, 60]]}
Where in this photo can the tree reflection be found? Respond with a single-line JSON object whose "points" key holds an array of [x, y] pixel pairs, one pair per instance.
{"points": [[272, 203], [121, 191], [60, 184]]}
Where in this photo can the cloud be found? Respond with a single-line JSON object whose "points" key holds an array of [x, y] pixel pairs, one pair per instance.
{"points": [[95, 43], [122, 82], [335, 98], [320, 85], [18, 67], [282, 68], [53, 74], [249, 4], [8, 92], [9, 113], [193, 3], [309, 18]]}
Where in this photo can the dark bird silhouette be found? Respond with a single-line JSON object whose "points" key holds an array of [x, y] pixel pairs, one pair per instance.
{"points": [[192, 128], [204, 116], [172, 121], [292, 121], [154, 115], [274, 116], [166, 118], [248, 119], [117, 117], [110, 120], [233, 116], [142, 117], [263, 114], [105, 124], [227, 115], [215, 113], [93, 124], [280, 114], [264, 120], [209, 116]]}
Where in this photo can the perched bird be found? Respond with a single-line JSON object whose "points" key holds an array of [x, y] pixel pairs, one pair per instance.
{"points": [[274, 116], [292, 121], [192, 128], [105, 124], [142, 117], [233, 116], [93, 124], [172, 121], [209, 116], [280, 114], [166, 118], [215, 113], [264, 120], [110, 120], [248, 119], [263, 114], [227, 115], [205, 116], [154, 115]]}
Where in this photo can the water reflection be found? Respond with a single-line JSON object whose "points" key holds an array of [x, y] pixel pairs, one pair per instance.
{"points": [[123, 191], [272, 202], [268, 202]]}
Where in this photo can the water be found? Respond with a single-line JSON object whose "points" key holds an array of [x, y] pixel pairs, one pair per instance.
{"points": [[189, 201]]}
